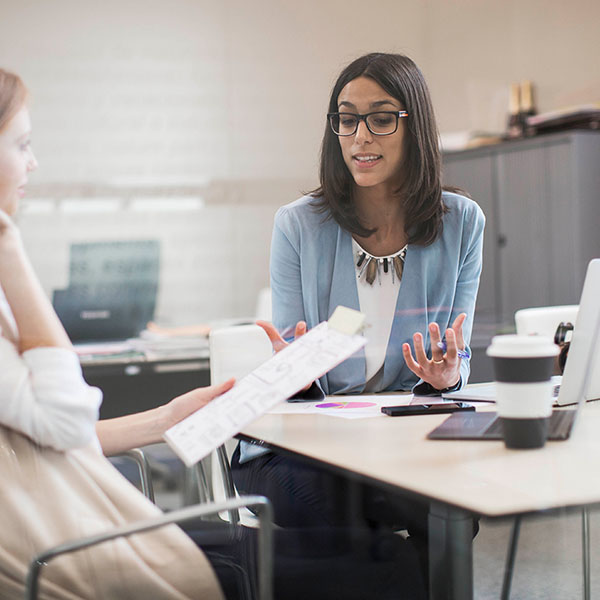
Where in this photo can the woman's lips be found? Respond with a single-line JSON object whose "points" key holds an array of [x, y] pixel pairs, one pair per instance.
{"points": [[366, 161]]}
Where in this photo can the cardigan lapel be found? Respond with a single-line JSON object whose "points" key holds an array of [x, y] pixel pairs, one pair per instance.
{"points": [[350, 375], [407, 311]]}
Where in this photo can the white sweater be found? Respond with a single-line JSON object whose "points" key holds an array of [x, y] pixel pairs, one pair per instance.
{"points": [[43, 394]]}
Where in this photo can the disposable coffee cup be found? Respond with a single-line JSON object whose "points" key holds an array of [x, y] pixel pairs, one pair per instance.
{"points": [[523, 367]]}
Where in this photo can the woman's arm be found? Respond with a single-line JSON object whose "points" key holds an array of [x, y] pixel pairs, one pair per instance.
{"points": [[286, 282], [447, 370], [36, 320], [42, 390], [140, 429]]}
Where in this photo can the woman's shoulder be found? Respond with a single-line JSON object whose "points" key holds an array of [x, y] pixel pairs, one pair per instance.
{"points": [[461, 208], [303, 213]]}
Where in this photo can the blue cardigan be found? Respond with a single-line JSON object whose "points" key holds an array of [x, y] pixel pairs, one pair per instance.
{"points": [[313, 271]]}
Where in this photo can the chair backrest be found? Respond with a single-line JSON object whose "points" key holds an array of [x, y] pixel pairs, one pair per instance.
{"points": [[236, 351], [543, 320], [264, 310]]}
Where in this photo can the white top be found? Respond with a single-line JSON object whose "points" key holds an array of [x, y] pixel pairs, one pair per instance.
{"points": [[378, 303], [43, 394]]}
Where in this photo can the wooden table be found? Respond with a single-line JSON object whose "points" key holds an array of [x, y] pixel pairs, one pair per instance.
{"points": [[460, 479]]}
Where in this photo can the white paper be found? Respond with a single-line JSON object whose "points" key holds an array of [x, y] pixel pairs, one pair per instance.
{"points": [[364, 406], [347, 406], [287, 372]]}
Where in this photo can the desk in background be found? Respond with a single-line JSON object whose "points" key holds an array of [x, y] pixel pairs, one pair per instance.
{"points": [[134, 383]]}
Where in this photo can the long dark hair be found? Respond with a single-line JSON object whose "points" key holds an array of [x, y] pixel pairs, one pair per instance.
{"points": [[421, 189]]}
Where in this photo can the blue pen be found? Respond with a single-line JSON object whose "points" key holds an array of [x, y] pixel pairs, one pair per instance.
{"points": [[461, 353]]}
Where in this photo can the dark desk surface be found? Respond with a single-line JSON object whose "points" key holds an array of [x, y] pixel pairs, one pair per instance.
{"points": [[136, 383]]}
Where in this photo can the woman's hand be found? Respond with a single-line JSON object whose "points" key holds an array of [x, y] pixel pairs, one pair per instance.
{"points": [[443, 369], [148, 427], [183, 406], [276, 338], [10, 238]]}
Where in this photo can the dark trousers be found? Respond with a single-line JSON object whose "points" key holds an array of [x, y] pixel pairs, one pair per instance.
{"points": [[321, 512], [316, 563], [306, 496]]}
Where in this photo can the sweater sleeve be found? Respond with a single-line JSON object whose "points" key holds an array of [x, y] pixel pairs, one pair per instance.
{"points": [[286, 281], [44, 396]]}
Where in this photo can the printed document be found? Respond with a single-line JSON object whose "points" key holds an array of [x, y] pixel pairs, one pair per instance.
{"points": [[284, 374]]}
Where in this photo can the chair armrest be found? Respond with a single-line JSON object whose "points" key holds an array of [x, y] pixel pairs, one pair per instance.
{"points": [[265, 539], [137, 455]]}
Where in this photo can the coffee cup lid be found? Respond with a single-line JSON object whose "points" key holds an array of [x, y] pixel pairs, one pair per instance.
{"points": [[522, 346]]}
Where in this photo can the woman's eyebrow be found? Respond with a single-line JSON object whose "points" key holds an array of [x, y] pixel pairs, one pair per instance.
{"points": [[383, 103], [376, 104]]}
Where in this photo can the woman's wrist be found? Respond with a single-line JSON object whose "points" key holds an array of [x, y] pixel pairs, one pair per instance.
{"points": [[11, 247]]}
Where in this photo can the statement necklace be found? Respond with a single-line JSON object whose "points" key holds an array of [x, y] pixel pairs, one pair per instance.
{"points": [[372, 266]]}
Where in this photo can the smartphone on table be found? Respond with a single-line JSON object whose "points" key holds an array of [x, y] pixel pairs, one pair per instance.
{"points": [[406, 410]]}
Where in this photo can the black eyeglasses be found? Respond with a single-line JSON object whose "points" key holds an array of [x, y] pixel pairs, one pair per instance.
{"points": [[378, 123]]}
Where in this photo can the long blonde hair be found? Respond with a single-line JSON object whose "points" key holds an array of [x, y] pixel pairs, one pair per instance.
{"points": [[13, 94]]}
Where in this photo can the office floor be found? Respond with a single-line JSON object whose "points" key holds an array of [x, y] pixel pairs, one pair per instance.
{"points": [[548, 564]]}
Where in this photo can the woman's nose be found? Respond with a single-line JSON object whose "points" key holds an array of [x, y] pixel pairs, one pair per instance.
{"points": [[32, 163], [362, 133]]}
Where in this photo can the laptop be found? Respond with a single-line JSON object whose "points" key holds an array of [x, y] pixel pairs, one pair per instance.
{"points": [[580, 381], [112, 290]]}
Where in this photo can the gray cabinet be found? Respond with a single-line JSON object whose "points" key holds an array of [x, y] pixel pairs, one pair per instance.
{"points": [[541, 197]]}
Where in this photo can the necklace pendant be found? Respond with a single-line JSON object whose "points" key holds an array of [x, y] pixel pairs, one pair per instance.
{"points": [[361, 259], [398, 266], [363, 268], [371, 270]]}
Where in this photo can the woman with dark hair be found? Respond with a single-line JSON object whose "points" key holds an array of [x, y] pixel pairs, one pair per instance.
{"points": [[379, 235], [51, 443]]}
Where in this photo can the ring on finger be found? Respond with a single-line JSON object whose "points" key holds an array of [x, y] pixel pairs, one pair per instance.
{"points": [[438, 362]]}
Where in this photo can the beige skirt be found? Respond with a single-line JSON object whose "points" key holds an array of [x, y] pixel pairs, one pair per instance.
{"points": [[49, 497]]}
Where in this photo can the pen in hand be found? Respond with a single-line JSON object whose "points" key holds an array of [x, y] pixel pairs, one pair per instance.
{"points": [[461, 353]]}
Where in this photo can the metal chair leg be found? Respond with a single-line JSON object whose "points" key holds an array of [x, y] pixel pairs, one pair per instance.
{"points": [[227, 479], [585, 540], [510, 558]]}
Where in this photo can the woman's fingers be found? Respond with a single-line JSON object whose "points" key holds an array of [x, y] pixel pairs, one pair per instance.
{"points": [[437, 354], [451, 347], [457, 326], [420, 354], [277, 341], [300, 329], [410, 361]]}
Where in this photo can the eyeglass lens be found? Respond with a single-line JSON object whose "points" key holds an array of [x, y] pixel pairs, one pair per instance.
{"points": [[378, 123]]}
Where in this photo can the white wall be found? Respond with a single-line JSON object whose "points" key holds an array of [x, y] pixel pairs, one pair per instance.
{"points": [[228, 98]]}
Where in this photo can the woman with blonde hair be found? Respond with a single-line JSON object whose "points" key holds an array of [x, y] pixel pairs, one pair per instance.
{"points": [[56, 484]]}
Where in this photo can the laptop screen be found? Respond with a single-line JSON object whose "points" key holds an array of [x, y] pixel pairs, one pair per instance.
{"points": [[581, 378], [112, 290]]}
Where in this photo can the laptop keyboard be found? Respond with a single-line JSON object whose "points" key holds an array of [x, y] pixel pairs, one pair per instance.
{"points": [[558, 428], [495, 428]]}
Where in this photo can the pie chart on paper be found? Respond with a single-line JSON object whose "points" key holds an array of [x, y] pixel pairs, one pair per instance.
{"points": [[346, 404]]}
